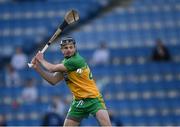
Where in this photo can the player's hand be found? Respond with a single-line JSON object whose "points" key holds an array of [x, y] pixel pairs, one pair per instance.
{"points": [[39, 56], [35, 63]]}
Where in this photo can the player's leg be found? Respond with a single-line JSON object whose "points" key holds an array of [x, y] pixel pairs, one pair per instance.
{"points": [[103, 117], [98, 109], [70, 122]]}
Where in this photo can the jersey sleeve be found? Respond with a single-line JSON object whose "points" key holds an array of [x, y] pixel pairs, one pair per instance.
{"points": [[73, 64]]}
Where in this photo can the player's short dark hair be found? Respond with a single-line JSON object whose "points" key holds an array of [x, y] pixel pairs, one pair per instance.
{"points": [[67, 40]]}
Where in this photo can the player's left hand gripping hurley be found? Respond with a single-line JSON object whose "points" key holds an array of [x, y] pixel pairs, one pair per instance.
{"points": [[70, 17]]}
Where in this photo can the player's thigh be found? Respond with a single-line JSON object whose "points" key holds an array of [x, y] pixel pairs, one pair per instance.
{"points": [[103, 117], [70, 122]]}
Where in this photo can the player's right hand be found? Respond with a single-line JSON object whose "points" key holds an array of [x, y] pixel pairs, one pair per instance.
{"points": [[39, 56], [35, 63]]}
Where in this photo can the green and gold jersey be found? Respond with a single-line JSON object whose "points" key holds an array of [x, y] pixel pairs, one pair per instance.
{"points": [[79, 78]]}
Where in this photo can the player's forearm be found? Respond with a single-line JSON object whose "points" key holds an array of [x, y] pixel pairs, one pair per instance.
{"points": [[50, 67], [47, 76]]}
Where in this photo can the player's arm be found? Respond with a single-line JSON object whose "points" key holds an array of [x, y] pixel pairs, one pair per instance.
{"points": [[50, 67], [52, 78]]}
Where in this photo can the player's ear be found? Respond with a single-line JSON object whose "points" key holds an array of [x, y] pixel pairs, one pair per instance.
{"points": [[75, 47]]}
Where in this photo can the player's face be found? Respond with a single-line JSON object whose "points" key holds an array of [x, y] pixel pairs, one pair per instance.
{"points": [[68, 50]]}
